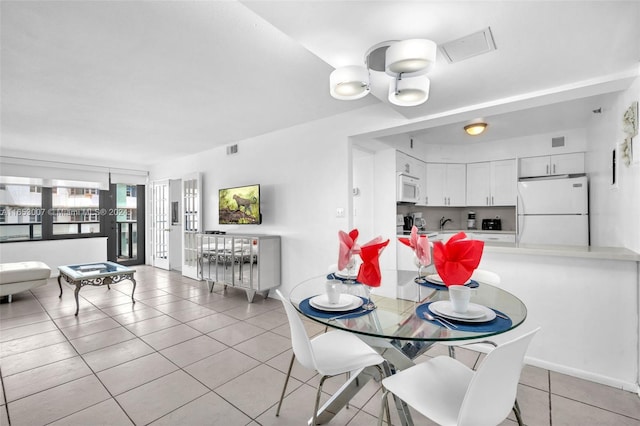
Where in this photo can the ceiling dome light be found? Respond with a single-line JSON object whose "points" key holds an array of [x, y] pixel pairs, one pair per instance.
{"points": [[475, 129], [347, 83], [410, 57], [409, 91]]}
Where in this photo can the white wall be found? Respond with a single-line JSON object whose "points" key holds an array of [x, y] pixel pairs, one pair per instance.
{"points": [[615, 210], [305, 175], [587, 309], [56, 252]]}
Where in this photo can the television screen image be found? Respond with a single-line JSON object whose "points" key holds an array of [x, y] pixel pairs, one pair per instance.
{"points": [[240, 205]]}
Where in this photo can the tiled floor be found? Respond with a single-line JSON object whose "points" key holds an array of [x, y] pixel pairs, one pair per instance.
{"points": [[184, 356]]}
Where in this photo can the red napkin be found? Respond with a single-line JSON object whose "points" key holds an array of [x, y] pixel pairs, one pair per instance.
{"points": [[419, 244], [348, 247], [456, 260], [369, 272]]}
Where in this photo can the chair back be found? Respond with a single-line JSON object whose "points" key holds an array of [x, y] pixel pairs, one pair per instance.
{"points": [[485, 276], [299, 339], [492, 391]]}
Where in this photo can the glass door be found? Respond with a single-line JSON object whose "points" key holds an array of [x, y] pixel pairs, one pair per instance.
{"points": [[160, 224], [125, 223], [192, 211]]}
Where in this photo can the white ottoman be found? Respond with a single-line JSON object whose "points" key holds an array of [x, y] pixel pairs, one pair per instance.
{"points": [[22, 276]]}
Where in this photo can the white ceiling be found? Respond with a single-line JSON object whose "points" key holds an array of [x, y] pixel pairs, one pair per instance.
{"points": [[144, 81]]}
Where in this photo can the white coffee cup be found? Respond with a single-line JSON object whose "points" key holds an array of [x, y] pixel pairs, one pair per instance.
{"points": [[459, 296], [334, 290]]}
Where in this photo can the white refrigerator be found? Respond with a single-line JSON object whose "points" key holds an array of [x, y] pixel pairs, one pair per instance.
{"points": [[553, 211]]}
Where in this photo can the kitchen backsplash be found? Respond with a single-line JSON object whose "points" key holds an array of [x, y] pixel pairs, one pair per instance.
{"points": [[458, 216]]}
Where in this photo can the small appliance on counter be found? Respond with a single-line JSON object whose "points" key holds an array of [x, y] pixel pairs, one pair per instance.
{"points": [[418, 221], [408, 223], [471, 220], [492, 224]]}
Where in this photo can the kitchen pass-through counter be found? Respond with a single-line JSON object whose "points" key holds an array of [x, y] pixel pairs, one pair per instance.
{"points": [[586, 299]]}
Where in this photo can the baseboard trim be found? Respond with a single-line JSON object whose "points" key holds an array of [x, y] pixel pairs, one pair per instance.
{"points": [[586, 375]]}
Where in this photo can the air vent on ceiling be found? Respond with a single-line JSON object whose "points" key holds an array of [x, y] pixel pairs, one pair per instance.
{"points": [[232, 149], [469, 46], [557, 142]]}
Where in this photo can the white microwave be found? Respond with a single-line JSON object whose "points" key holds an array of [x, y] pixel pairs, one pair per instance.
{"points": [[408, 190]]}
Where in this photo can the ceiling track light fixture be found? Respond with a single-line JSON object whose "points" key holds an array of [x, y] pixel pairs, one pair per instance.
{"points": [[474, 129], [405, 61]]}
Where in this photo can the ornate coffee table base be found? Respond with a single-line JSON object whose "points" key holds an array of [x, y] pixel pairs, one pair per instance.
{"points": [[97, 281]]}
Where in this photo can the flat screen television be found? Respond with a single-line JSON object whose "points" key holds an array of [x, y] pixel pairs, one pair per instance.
{"points": [[239, 205]]}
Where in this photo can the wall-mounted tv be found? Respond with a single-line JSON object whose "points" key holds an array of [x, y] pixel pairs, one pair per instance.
{"points": [[239, 205]]}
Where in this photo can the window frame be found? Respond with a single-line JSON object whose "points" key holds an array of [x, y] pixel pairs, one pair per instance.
{"points": [[47, 222]]}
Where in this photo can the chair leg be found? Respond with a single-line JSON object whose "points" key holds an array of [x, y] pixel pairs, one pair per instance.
{"points": [[384, 407], [286, 381], [317, 404], [516, 411]]}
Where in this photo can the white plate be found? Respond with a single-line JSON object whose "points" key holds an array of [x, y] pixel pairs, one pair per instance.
{"points": [[344, 275], [435, 278], [476, 313], [346, 302]]}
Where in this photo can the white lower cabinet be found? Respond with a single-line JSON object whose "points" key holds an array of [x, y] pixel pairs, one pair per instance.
{"points": [[492, 238]]}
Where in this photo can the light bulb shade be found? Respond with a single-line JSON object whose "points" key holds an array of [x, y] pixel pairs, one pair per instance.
{"points": [[475, 129], [410, 57], [409, 91], [347, 83]]}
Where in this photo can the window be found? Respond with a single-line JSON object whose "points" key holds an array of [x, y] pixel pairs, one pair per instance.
{"points": [[75, 211], [32, 212], [131, 191], [21, 212]]}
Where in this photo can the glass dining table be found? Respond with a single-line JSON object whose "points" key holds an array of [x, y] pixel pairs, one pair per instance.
{"points": [[406, 322]]}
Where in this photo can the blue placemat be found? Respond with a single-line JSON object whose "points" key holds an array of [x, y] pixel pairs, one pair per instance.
{"points": [[472, 284], [496, 324], [333, 276], [307, 309]]}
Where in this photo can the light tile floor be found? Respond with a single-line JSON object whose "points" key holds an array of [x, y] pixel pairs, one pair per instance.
{"points": [[184, 356]]}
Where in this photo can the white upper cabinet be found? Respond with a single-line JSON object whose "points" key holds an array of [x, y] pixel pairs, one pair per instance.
{"points": [[478, 184], [408, 165], [549, 165], [491, 183], [504, 183], [445, 184]]}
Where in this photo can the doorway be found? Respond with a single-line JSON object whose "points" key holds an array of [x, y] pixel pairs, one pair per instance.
{"points": [[125, 214]]}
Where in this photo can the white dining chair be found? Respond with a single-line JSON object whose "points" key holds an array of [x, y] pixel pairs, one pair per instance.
{"points": [[330, 354], [450, 393]]}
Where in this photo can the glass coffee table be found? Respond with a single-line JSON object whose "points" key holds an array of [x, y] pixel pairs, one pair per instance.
{"points": [[95, 274]]}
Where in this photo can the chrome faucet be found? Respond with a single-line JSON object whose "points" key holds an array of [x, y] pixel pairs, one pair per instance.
{"points": [[443, 221]]}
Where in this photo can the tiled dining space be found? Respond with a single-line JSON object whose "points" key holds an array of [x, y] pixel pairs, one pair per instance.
{"points": [[184, 356]]}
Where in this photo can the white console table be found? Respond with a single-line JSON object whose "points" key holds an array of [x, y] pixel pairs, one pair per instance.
{"points": [[247, 261]]}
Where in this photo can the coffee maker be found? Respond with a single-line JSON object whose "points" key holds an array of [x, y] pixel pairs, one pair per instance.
{"points": [[418, 221], [471, 220]]}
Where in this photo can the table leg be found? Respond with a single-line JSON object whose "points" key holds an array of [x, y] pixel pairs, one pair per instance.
{"points": [[60, 284], [78, 286], [134, 290]]}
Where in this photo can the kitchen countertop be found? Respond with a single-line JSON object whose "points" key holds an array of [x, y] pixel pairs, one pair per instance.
{"points": [[591, 252], [455, 231]]}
